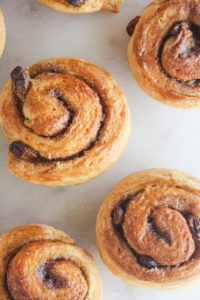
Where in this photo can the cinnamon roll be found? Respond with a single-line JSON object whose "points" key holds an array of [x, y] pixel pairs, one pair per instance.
{"points": [[40, 262], [148, 229], [2, 33], [82, 6], [164, 51], [67, 121]]}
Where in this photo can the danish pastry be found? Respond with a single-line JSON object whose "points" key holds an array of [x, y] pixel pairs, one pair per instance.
{"points": [[40, 262], [148, 229], [82, 6], [2, 33], [164, 52], [67, 121]]}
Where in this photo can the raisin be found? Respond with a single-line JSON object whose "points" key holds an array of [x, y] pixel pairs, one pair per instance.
{"points": [[23, 151], [131, 26], [50, 279], [20, 82], [18, 149], [147, 262], [177, 27]]}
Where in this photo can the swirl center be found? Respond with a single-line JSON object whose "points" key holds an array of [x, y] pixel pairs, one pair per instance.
{"points": [[159, 224], [162, 239], [42, 268], [180, 55]]}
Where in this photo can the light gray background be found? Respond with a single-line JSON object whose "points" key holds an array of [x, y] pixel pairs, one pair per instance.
{"points": [[161, 136]]}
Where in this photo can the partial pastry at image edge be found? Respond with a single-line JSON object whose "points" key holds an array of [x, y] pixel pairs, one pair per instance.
{"points": [[2, 33], [163, 52], [41, 261]]}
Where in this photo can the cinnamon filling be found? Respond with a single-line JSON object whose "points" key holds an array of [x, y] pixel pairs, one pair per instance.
{"points": [[76, 2], [194, 224], [22, 151], [50, 278]]}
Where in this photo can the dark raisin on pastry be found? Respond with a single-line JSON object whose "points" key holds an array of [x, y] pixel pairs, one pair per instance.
{"points": [[118, 216], [147, 262], [20, 82], [131, 25]]}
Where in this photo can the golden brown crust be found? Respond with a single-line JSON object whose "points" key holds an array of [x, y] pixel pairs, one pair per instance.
{"points": [[163, 52], [68, 123], [148, 229], [40, 261], [2, 33], [87, 6]]}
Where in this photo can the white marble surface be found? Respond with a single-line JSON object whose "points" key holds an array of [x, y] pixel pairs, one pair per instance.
{"points": [[161, 136]]}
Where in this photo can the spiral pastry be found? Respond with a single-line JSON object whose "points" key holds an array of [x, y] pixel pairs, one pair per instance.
{"points": [[67, 121], [40, 262], [148, 229], [82, 6], [2, 33], [164, 51]]}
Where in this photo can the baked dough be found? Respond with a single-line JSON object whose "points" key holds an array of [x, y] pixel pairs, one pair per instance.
{"points": [[41, 262], [2, 33], [163, 52], [148, 229], [67, 121], [82, 6]]}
